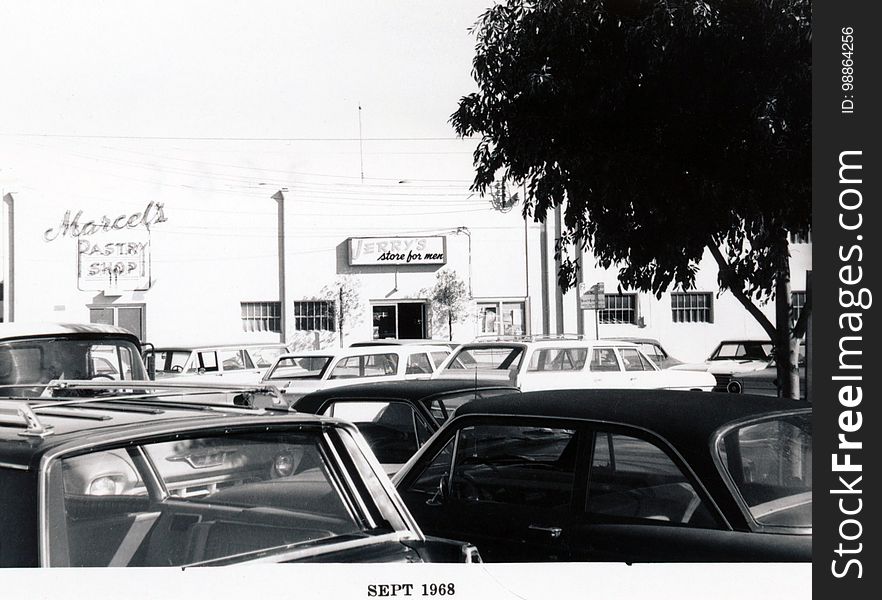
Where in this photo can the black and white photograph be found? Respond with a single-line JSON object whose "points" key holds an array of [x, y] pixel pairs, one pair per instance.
{"points": [[410, 299]]}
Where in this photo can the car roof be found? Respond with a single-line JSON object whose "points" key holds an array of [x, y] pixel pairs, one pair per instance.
{"points": [[415, 389], [401, 342], [107, 419], [675, 415], [15, 330], [548, 343], [362, 350], [198, 347]]}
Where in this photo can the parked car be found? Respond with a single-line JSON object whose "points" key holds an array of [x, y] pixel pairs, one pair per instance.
{"points": [[236, 363], [567, 363], [732, 356], [764, 382], [33, 354], [149, 482], [301, 373], [397, 417], [653, 349], [619, 475]]}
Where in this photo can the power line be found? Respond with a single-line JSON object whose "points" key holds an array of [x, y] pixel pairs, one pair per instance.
{"points": [[231, 138]]}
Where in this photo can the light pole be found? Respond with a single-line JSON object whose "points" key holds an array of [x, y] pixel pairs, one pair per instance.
{"points": [[462, 229]]}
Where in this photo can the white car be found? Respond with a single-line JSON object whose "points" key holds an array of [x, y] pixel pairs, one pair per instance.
{"points": [[568, 364], [303, 372], [730, 358], [240, 364]]}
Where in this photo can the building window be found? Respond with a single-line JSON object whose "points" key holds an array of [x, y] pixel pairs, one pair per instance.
{"points": [[801, 237], [315, 315], [692, 307], [620, 309], [262, 316], [797, 302], [501, 318]]}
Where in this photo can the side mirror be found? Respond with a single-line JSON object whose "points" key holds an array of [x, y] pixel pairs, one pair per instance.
{"points": [[442, 493], [149, 353]]}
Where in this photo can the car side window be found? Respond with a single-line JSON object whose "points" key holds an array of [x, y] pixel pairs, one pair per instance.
{"points": [[439, 356], [207, 360], [370, 365], [418, 364], [603, 359], [232, 360], [558, 359], [526, 465], [633, 361], [633, 479]]}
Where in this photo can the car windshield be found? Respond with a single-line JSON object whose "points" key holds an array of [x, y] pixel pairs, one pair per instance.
{"points": [[299, 367], [171, 361], [207, 497], [743, 351], [39, 361], [770, 463]]}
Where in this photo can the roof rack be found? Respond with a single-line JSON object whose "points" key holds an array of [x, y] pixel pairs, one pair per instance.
{"points": [[243, 395], [529, 338], [23, 410]]}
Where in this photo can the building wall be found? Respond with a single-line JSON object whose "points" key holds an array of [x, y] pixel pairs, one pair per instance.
{"points": [[216, 249]]}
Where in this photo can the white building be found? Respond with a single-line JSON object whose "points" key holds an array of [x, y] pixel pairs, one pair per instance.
{"points": [[200, 257]]}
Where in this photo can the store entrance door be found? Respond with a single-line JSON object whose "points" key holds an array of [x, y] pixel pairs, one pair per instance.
{"points": [[405, 320], [411, 321]]}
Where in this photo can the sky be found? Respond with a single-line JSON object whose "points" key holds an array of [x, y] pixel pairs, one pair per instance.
{"points": [[106, 75]]}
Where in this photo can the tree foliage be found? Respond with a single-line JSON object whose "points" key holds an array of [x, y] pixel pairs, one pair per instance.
{"points": [[662, 127], [449, 298], [344, 296]]}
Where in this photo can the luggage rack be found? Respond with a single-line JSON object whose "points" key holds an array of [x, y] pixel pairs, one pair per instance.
{"points": [[243, 396], [529, 338], [23, 410]]}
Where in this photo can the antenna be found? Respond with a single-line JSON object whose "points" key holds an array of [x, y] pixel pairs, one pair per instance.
{"points": [[360, 146]]}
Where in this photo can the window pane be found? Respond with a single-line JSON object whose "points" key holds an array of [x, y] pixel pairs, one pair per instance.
{"points": [[604, 359], [516, 464], [771, 464], [393, 430], [631, 478]]}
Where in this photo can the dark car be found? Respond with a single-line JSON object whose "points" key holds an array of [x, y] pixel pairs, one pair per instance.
{"points": [[146, 481], [764, 382], [397, 417], [619, 475]]}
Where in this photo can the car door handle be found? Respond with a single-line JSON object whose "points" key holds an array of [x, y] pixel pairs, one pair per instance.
{"points": [[553, 532]]}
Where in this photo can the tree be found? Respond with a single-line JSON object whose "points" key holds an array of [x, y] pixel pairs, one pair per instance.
{"points": [[449, 298], [345, 298], [664, 128]]}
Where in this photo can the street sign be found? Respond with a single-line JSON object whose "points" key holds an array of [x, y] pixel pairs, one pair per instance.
{"points": [[592, 298]]}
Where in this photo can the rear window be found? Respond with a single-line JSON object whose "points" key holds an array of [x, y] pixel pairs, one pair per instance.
{"points": [[299, 367], [770, 463], [558, 359]]}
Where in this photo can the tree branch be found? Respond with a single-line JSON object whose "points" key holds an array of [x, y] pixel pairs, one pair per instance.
{"points": [[736, 286]]}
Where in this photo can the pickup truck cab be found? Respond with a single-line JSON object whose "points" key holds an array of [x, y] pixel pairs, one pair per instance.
{"points": [[33, 354]]}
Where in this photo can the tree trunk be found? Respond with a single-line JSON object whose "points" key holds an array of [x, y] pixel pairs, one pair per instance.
{"points": [[450, 326], [786, 346]]}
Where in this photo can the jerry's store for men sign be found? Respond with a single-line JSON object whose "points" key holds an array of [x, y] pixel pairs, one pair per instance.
{"points": [[113, 254], [378, 251]]}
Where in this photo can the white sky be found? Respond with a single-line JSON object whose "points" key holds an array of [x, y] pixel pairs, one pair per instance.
{"points": [[263, 68], [255, 69]]}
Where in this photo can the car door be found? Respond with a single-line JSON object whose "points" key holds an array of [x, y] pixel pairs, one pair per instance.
{"points": [[605, 370], [505, 485], [639, 372]]}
